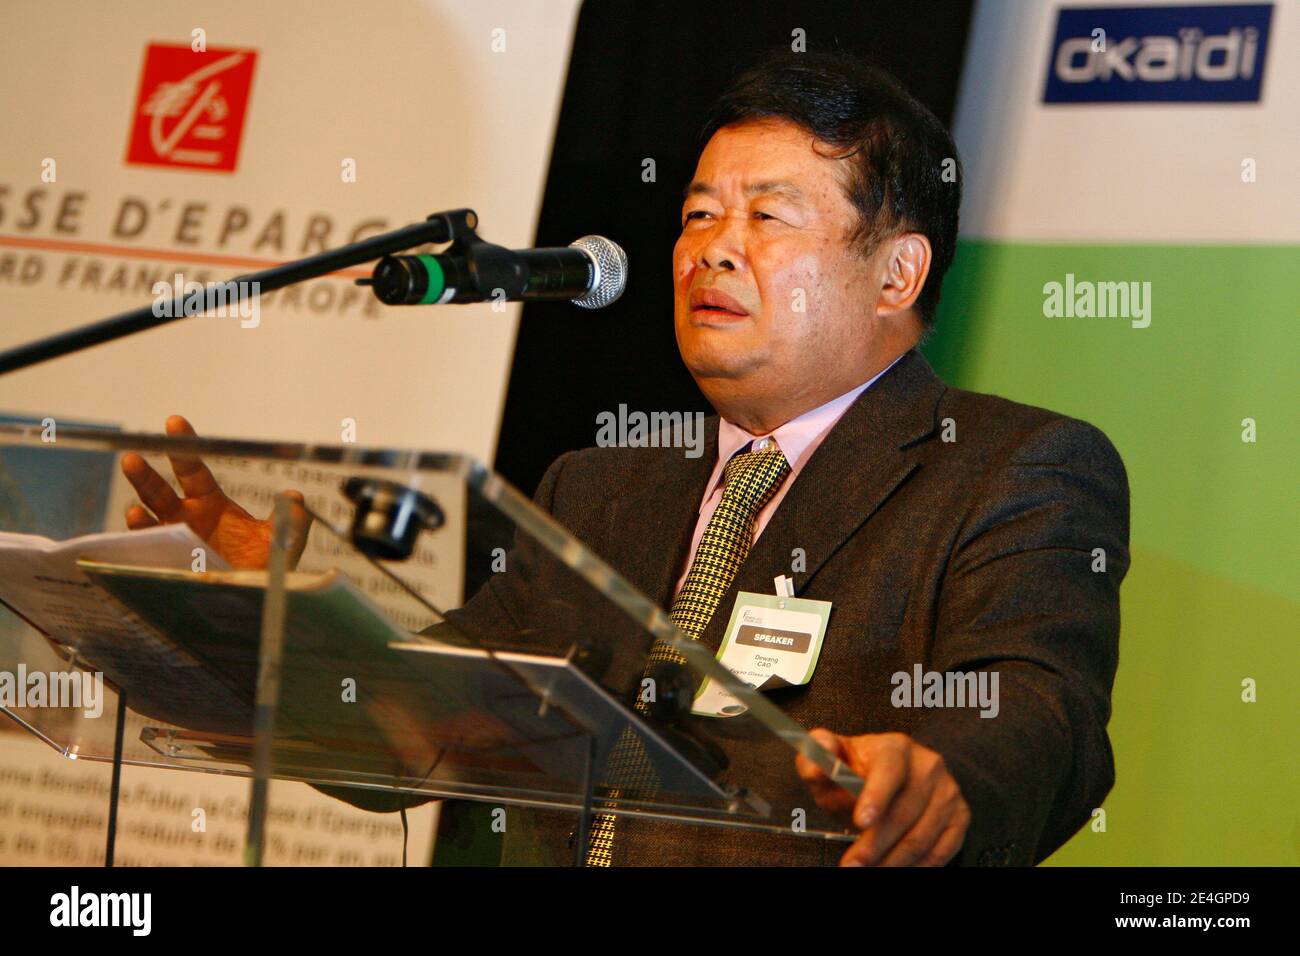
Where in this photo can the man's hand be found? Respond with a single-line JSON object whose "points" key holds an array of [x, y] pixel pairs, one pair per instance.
{"points": [[233, 533], [911, 811]]}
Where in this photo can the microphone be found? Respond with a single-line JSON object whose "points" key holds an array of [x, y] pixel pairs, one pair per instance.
{"points": [[590, 272]]}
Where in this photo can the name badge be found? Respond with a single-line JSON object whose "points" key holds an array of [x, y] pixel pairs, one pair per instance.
{"points": [[770, 642]]}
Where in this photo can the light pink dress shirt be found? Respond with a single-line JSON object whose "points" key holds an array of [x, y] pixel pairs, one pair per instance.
{"points": [[798, 438]]}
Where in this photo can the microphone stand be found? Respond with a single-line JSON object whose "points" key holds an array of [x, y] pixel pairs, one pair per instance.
{"points": [[456, 225]]}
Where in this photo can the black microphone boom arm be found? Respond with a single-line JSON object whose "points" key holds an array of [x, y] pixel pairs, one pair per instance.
{"points": [[453, 226]]}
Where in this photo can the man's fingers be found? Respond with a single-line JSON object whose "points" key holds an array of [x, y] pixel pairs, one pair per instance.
{"points": [[809, 771], [828, 795], [138, 518], [910, 811], [918, 815], [831, 797], [906, 811], [831, 742], [949, 842], [195, 478], [913, 845], [299, 525], [155, 494], [882, 763]]}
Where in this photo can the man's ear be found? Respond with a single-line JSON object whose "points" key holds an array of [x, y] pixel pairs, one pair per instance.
{"points": [[907, 263]]}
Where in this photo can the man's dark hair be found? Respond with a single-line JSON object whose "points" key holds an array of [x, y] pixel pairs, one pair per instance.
{"points": [[895, 147]]}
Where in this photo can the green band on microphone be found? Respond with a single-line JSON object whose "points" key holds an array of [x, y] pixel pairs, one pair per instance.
{"points": [[437, 281]]}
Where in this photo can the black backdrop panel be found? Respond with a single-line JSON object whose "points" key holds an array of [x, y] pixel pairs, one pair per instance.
{"points": [[640, 79]]}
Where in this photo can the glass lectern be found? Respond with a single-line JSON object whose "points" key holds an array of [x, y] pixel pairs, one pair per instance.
{"points": [[424, 632]]}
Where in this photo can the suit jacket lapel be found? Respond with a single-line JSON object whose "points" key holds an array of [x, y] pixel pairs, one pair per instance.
{"points": [[661, 515]]}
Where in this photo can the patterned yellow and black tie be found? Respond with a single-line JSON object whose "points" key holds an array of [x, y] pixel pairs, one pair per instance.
{"points": [[751, 478]]}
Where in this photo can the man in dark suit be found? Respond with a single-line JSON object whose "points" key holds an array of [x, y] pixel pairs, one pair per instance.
{"points": [[975, 554], [951, 531]]}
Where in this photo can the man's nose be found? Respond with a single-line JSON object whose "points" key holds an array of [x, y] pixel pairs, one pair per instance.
{"points": [[723, 250]]}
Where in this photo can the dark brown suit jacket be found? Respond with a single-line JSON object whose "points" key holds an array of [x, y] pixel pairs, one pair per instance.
{"points": [[964, 554]]}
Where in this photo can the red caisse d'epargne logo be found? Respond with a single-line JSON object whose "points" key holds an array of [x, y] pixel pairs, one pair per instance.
{"points": [[190, 108]]}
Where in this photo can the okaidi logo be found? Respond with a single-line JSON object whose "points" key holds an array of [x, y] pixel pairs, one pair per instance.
{"points": [[190, 108], [1203, 54]]}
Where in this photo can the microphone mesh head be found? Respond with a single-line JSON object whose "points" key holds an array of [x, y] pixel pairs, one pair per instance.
{"points": [[611, 271]]}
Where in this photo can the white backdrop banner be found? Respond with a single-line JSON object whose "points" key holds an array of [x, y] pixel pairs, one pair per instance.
{"points": [[129, 157], [146, 142]]}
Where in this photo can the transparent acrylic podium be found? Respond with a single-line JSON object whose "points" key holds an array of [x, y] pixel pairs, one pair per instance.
{"points": [[432, 635]]}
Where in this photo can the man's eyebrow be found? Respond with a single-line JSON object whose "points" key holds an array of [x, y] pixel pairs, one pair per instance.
{"points": [[697, 188], [778, 187]]}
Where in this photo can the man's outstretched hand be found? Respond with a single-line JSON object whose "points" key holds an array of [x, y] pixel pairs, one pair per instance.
{"points": [[911, 811], [244, 541]]}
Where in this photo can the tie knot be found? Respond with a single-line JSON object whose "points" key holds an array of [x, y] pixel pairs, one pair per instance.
{"points": [[753, 477]]}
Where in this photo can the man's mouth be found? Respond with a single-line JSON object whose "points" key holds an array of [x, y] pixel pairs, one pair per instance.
{"points": [[714, 302]]}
